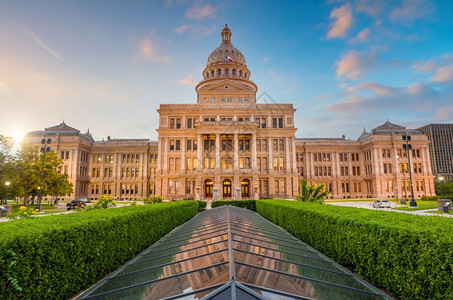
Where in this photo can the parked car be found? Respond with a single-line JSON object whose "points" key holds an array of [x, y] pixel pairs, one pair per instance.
{"points": [[75, 204], [85, 200], [381, 204]]}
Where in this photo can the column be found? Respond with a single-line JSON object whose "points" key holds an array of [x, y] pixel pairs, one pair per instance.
{"points": [[270, 148], [159, 155], [293, 141], [217, 151], [287, 157], [236, 152], [183, 156], [199, 149], [254, 166], [165, 158]]}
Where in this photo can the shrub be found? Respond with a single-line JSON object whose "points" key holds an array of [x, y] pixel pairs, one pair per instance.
{"points": [[410, 256], [312, 192], [202, 205], [56, 256], [105, 202], [430, 198], [249, 204], [153, 200]]}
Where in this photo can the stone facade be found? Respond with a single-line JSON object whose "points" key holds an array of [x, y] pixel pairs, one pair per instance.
{"points": [[228, 146]]}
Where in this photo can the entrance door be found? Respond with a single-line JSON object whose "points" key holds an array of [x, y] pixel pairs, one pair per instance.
{"points": [[226, 188], [245, 188], [208, 185]]}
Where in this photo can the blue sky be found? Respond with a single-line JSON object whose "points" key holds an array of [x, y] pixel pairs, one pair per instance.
{"points": [[107, 65]]}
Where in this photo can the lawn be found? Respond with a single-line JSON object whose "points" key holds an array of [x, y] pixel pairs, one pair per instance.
{"points": [[421, 205]]}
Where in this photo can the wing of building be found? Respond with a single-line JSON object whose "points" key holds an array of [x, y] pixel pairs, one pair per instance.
{"points": [[228, 146]]}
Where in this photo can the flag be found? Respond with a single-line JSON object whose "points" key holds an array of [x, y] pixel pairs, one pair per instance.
{"points": [[229, 59]]}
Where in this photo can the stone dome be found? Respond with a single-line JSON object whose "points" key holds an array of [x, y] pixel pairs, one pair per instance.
{"points": [[226, 60], [220, 54]]}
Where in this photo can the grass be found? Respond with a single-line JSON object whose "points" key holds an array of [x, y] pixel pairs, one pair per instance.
{"points": [[421, 205]]}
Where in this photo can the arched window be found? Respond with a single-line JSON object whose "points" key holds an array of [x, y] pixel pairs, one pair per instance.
{"points": [[240, 73], [245, 188], [226, 72], [233, 72], [208, 185], [212, 74], [219, 72], [226, 188]]}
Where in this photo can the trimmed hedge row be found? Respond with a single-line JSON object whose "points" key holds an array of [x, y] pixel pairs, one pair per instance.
{"points": [[411, 256], [54, 257], [249, 204]]}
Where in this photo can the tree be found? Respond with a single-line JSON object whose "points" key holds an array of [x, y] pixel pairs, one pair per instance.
{"points": [[6, 161], [448, 189], [28, 166], [312, 193]]}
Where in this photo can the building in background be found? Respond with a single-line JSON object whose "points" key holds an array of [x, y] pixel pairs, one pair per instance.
{"points": [[228, 146], [440, 149]]}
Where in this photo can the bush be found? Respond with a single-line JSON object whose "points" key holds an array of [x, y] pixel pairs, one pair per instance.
{"points": [[105, 202], [249, 204], [202, 205], [410, 256], [56, 256], [430, 198], [153, 200]]}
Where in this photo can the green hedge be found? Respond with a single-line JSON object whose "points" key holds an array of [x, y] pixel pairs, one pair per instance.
{"points": [[54, 257], [202, 205], [410, 256], [430, 198], [249, 204]]}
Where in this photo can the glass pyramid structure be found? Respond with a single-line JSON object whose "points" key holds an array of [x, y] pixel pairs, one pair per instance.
{"points": [[231, 253]]}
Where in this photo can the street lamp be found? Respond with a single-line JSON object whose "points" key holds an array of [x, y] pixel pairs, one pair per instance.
{"points": [[408, 147], [441, 178], [44, 150], [6, 192]]}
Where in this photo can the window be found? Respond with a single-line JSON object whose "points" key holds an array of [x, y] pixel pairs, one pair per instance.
{"points": [[189, 145], [264, 144], [172, 145], [258, 145], [275, 144], [189, 123], [281, 145], [178, 145]]}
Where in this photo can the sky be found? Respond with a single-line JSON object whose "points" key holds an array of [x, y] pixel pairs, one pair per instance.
{"points": [[106, 66]]}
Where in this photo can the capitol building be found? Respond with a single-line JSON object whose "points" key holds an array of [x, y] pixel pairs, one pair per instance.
{"points": [[228, 146]]}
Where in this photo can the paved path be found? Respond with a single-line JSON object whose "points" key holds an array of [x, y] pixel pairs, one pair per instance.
{"points": [[369, 205]]}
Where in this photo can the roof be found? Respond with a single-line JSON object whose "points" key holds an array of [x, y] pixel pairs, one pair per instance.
{"points": [[63, 130], [231, 253], [387, 129]]}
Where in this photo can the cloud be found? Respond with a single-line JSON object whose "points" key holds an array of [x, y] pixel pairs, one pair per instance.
{"points": [[443, 114], [444, 74], [351, 65], [371, 7], [411, 10], [417, 98], [188, 80], [44, 46], [181, 29], [433, 64], [323, 97], [274, 76], [343, 16], [148, 51], [266, 59], [361, 37], [201, 12], [371, 86]]}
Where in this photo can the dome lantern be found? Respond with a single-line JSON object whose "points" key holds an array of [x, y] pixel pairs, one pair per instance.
{"points": [[226, 35]]}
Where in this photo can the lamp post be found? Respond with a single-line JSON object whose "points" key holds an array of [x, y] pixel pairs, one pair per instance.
{"points": [[44, 150], [6, 192], [407, 147], [441, 178]]}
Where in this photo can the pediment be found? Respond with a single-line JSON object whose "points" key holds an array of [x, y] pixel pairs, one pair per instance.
{"points": [[221, 86]]}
